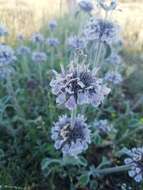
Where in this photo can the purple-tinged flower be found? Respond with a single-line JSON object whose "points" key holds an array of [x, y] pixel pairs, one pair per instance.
{"points": [[86, 5], [71, 139], [76, 43], [37, 38], [54, 42], [114, 59], [78, 86], [52, 24], [6, 55], [101, 30], [113, 77], [135, 160], [39, 57], [23, 50], [3, 31], [103, 126]]}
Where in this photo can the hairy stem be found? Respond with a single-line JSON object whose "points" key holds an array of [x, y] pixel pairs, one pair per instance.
{"points": [[112, 170], [73, 117]]}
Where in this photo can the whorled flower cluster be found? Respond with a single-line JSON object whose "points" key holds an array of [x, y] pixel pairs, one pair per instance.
{"points": [[5, 72], [114, 59], [113, 77], [71, 139], [106, 6], [78, 86], [86, 5], [23, 50], [76, 43], [52, 24], [54, 42], [37, 38], [103, 126], [135, 160], [7, 55], [39, 57], [20, 37], [101, 30]]}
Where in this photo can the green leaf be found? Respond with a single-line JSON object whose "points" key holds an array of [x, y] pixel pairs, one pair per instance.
{"points": [[1, 154], [84, 179], [70, 160], [48, 161], [108, 50], [93, 185]]}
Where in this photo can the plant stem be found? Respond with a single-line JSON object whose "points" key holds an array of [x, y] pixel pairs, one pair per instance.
{"points": [[98, 54], [129, 134], [11, 93], [116, 169], [52, 58], [11, 187], [73, 117]]}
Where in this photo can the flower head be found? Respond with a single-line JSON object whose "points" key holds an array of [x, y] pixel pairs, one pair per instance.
{"points": [[86, 5], [54, 42], [101, 30], [6, 55], [71, 140], [52, 24], [76, 43], [23, 50], [114, 59], [39, 57], [78, 86], [135, 159], [106, 6], [113, 77], [103, 126], [5, 72], [37, 38], [20, 37], [3, 31]]}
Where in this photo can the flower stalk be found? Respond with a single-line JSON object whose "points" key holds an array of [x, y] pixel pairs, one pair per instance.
{"points": [[111, 170], [73, 117]]}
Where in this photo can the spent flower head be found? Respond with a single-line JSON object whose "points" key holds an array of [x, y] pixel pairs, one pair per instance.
{"points": [[6, 55], [101, 30], [71, 139], [78, 86], [39, 57], [135, 160]]}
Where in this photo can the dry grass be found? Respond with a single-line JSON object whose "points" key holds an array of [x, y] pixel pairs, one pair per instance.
{"points": [[26, 16]]}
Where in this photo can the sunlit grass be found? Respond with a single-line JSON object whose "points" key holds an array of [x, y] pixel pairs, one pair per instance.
{"points": [[27, 16]]}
